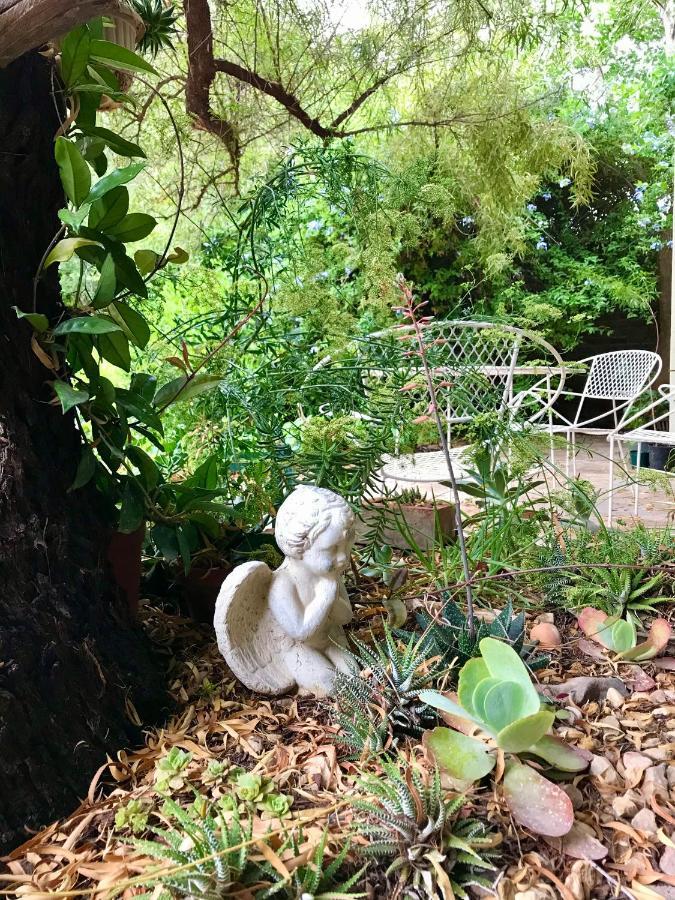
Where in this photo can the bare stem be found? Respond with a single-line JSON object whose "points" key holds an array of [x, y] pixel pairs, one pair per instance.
{"points": [[468, 578]]}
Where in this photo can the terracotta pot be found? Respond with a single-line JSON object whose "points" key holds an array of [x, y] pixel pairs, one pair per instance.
{"points": [[124, 556], [200, 589], [427, 522]]}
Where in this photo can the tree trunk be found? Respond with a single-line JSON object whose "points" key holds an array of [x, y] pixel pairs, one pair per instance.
{"points": [[70, 656]]}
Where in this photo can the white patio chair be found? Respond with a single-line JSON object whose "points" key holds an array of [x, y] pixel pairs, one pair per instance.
{"points": [[654, 431], [477, 365], [620, 377]]}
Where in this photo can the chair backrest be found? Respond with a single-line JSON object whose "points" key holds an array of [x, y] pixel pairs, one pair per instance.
{"points": [[621, 374], [479, 358]]}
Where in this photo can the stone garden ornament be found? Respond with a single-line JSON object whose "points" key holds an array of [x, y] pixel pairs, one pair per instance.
{"points": [[284, 629]]}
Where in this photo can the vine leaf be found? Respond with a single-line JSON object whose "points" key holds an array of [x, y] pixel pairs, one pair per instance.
{"points": [[119, 57], [69, 396], [75, 54], [87, 325], [73, 169], [65, 249]]}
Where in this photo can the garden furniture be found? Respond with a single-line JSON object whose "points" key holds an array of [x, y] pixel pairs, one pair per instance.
{"points": [[651, 424], [619, 377], [480, 367]]}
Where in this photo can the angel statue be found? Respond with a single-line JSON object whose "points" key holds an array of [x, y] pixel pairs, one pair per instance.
{"points": [[284, 629]]}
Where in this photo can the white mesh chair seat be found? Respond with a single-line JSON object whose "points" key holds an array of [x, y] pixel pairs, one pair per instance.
{"points": [[426, 466]]}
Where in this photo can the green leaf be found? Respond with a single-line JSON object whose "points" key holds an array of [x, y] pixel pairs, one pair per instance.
{"points": [[559, 754], [144, 385], [128, 275], [623, 636], [75, 54], [505, 664], [521, 735], [73, 169], [115, 348], [65, 249], [165, 539], [117, 144], [472, 672], [39, 322], [180, 389], [132, 510], [69, 396], [133, 227], [462, 757], [135, 325], [87, 325], [146, 260], [118, 57], [508, 702], [107, 284], [114, 179], [72, 218], [110, 209], [145, 465], [445, 704], [85, 469], [482, 689]]}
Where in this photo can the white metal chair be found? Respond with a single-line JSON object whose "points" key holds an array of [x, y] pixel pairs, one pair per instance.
{"points": [[619, 378], [476, 367], [652, 431]]}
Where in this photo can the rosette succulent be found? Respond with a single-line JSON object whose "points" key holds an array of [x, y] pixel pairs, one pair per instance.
{"points": [[620, 635], [496, 695]]}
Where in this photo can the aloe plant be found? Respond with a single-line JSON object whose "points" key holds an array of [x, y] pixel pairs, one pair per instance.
{"points": [[496, 694], [620, 635]]}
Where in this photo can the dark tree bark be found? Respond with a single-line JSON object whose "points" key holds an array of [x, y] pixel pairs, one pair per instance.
{"points": [[70, 655]]}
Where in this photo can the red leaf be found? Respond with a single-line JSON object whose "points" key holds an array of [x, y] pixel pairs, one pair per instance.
{"points": [[537, 803]]}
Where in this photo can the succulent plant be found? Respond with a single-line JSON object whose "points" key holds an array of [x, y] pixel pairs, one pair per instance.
{"points": [[450, 638], [133, 815], [496, 694], [160, 24], [169, 770], [620, 635], [409, 818], [381, 703]]}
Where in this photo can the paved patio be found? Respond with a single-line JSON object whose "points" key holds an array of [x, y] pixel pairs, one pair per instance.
{"points": [[656, 502]]}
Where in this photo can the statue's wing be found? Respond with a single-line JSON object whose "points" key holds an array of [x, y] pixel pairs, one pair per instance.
{"points": [[248, 636]]}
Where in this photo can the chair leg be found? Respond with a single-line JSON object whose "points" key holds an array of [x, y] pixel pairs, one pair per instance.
{"points": [[636, 483], [610, 487]]}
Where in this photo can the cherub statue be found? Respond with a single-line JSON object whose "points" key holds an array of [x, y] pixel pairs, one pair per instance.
{"points": [[282, 629]]}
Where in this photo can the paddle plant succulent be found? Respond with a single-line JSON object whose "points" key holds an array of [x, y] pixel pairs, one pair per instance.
{"points": [[620, 635], [496, 696]]}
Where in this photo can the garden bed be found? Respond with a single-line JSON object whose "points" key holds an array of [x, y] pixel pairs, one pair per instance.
{"points": [[626, 799]]}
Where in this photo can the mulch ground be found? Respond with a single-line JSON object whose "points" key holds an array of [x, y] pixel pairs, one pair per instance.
{"points": [[626, 800]]}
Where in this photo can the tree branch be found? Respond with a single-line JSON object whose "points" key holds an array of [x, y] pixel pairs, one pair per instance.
{"points": [[278, 92], [201, 74], [28, 24]]}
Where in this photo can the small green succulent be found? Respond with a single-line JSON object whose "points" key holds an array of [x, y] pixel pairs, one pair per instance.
{"points": [[214, 771], [377, 706], [170, 769], [133, 815]]}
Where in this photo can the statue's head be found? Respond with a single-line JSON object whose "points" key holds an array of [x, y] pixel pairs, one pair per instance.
{"points": [[317, 526]]}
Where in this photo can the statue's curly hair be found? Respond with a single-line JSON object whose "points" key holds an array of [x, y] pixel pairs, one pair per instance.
{"points": [[304, 515]]}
